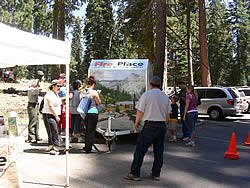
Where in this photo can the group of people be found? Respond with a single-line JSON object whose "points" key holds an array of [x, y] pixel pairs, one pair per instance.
{"points": [[53, 109], [188, 99], [154, 109]]}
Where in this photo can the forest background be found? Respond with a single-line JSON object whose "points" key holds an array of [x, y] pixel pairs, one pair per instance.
{"points": [[132, 29]]}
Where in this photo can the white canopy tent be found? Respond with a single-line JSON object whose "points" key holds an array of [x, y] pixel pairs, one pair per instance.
{"points": [[22, 48]]}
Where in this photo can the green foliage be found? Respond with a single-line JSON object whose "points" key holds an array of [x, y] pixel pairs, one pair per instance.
{"points": [[98, 29], [17, 13], [78, 70], [140, 26], [112, 96], [220, 44], [238, 18]]}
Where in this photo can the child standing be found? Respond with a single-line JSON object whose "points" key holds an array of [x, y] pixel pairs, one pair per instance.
{"points": [[173, 121]]}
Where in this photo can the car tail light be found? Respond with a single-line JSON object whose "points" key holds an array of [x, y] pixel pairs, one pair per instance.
{"points": [[230, 101]]}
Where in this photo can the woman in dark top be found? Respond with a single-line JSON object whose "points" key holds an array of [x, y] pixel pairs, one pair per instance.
{"points": [[91, 118]]}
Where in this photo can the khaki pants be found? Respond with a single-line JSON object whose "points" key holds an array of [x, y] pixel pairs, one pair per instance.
{"points": [[33, 126]]}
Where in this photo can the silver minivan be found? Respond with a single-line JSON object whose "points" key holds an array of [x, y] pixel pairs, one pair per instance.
{"points": [[218, 102]]}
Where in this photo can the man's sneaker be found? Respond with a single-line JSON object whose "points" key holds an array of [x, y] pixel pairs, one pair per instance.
{"points": [[186, 139], [156, 178], [191, 143], [130, 176]]}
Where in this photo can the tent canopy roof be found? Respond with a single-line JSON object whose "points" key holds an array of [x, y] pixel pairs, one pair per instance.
{"points": [[22, 48]]}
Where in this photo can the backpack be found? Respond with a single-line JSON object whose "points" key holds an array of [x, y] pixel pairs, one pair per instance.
{"points": [[41, 106], [84, 105], [198, 101]]}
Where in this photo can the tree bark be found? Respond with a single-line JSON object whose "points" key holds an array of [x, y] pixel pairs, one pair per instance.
{"points": [[205, 67], [189, 44], [161, 42]]}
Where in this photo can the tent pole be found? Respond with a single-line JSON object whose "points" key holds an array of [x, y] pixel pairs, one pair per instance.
{"points": [[67, 125]]}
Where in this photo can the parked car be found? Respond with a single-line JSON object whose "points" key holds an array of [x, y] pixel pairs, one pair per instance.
{"points": [[218, 102], [242, 97], [246, 91]]}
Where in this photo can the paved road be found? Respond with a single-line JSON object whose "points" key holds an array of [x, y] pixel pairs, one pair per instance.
{"points": [[201, 166]]}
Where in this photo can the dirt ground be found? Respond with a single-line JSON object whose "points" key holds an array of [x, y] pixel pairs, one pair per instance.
{"points": [[15, 102]]}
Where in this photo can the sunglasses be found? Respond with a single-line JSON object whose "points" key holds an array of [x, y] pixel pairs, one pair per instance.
{"points": [[57, 85]]}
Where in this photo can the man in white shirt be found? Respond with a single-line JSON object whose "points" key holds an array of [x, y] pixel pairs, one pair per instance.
{"points": [[153, 108]]}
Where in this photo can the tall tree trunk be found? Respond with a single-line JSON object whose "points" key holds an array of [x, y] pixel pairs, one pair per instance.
{"points": [[161, 48], [205, 68], [189, 44]]}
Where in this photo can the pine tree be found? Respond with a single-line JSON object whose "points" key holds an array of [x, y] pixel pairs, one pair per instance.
{"points": [[121, 43], [98, 29], [140, 16], [220, 43], [78, 70], [239, 19], [17, 13]]}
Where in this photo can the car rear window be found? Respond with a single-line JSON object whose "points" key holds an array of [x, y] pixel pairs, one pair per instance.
{"points": [[233, 94], [215, 93], [246, 91], [242, 94], [201, 93]]}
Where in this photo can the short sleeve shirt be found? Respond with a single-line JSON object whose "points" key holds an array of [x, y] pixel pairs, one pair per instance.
{"points": [[155, 104], [193, 102], [33, 92], [56, 103], [75, 101]]}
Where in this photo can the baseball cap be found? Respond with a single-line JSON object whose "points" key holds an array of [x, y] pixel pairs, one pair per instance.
{"points": [[156, 80], [54, 82], [79, 82]]}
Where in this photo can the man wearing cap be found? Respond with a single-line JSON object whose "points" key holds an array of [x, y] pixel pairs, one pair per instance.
{"points": [[33, 108], [153, 108]]}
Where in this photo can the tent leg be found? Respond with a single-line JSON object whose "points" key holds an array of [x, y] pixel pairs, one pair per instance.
{"points": [[67, 126]]}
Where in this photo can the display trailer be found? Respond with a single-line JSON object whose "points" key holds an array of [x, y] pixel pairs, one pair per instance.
{"points": [[121, 83]]}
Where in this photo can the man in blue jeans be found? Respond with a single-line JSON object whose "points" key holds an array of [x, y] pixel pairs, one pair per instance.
{"points": [[182, 97], [153, 108]]}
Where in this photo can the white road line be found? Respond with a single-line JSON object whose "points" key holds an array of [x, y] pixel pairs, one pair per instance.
{"points": [[214, 139], [193, 158]]}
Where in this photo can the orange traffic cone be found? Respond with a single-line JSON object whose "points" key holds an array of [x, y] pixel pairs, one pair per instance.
{"points": [[232, 152], [247, 143]]}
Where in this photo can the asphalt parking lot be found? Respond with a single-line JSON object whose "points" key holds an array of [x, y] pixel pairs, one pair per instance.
{"points": [[200, 166]]}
